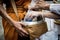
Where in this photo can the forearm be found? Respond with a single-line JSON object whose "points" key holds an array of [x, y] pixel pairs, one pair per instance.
{"points": [[50, 15], [5, 15], [54, 11]]}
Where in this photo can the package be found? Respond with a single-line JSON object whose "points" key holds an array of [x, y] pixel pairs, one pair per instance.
{"points": [[34, 26]]}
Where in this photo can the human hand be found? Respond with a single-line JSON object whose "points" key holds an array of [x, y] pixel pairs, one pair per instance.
{"points": [[41, 5], [33, 16], [20, 29]]}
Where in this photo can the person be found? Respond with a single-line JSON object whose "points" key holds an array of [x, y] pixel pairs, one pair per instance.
{"points": [[53, 8], [53, 14], [13, 28]]}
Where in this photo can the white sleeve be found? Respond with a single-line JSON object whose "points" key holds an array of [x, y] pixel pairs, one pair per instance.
{"points": [[55, 8]]}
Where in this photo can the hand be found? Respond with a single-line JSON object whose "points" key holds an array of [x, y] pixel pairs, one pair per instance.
{"points": [[41, 5], [19, 28], [33, 16]]}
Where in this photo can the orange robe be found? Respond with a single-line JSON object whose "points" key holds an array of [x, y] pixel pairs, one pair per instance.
{"points": [[9, 31]]}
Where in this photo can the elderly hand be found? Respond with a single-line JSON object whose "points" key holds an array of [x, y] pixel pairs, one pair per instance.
{"points": [[41, 5]]}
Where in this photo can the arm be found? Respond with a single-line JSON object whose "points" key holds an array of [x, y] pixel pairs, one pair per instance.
{"points": [[50, 15], [53, 8], [17, 25], [4, 14], [54, 11]]}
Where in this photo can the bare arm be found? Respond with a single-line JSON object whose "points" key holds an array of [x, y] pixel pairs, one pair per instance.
{"points": [[17, 25], [4, 14], [54, 11], [50, 15]]}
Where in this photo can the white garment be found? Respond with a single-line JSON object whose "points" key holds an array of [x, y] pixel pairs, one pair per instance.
{"points": [[55, 8], [52, 33]]}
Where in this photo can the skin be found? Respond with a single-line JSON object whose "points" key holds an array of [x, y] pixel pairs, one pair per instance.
{"points": [[17, 25], [45, 6]]}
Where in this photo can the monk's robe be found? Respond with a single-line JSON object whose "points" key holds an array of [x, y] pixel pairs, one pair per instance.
{"points": [[10, 32]]}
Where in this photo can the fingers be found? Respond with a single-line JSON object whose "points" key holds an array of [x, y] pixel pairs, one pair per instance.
{"points": [[20, 28], [22, 33]]}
